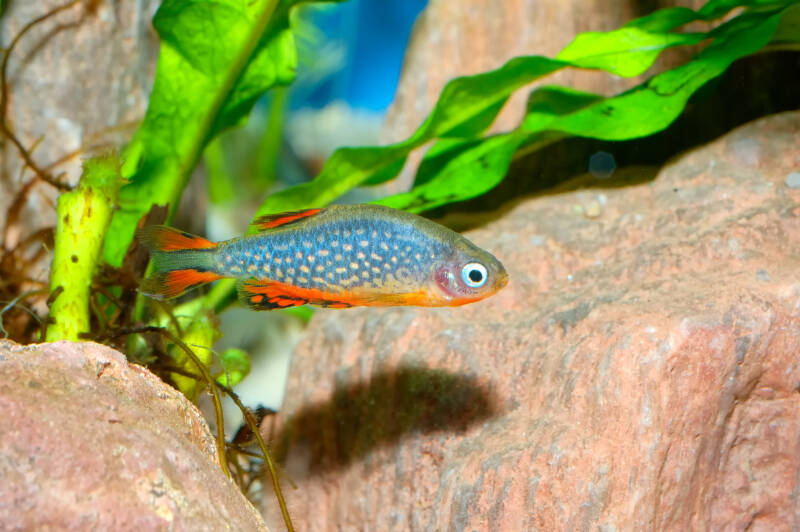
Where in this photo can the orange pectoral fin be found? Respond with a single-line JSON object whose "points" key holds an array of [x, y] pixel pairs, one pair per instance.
{"points": [[270, 295], [271, 221], [267, 295], [173, 283]]}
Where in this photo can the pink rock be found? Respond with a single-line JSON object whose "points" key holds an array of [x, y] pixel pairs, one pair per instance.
{"points": [[90, 442], [640, 371]]}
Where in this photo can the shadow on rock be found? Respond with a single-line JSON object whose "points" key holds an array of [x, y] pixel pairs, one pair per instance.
{"points": [[364, 416]]}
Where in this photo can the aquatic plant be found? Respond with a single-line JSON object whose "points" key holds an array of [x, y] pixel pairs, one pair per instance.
{"points": [[205, 84]]}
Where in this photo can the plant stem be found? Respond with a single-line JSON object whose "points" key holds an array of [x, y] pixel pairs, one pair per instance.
{"points": [[83, 218]]}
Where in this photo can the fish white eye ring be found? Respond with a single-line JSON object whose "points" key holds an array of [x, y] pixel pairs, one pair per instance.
{"points": [[474, 274]]}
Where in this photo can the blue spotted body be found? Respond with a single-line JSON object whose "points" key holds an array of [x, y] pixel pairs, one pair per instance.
{"points": [[345, 256]]}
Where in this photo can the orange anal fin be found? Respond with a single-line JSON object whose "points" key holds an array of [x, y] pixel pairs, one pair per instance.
{"points": [[163, 238], [271, 221], [173, 283], [270, 295]]}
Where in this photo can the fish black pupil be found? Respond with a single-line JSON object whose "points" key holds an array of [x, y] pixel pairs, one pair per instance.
{"points": [[475, 276]]}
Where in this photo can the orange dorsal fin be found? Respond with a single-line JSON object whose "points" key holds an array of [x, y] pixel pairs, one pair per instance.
{"points": [[270, 221]]}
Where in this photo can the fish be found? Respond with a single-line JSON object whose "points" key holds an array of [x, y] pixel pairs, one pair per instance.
{"points": [[338, 257]]}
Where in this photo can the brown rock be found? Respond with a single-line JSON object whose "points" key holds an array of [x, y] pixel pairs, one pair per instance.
{"points": [[640, 371], [90, 442]]}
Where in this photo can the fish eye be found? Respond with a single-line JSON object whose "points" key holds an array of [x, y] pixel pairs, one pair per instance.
{"points": [[474, 274]]}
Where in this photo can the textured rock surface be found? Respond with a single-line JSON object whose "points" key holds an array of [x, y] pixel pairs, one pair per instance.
{"points": [[462, 37], [77, 81], [90, 442], [640, 371]]}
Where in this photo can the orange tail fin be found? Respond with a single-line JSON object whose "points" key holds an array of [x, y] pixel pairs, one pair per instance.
{"points": [[182, 261]]}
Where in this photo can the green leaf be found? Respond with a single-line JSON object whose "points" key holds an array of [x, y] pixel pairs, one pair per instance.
{"points": [[468, 105], [217, 58], [473, 167], [478, 168], [219, 182], [789, 27], [235, 367], [627, 52]]}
